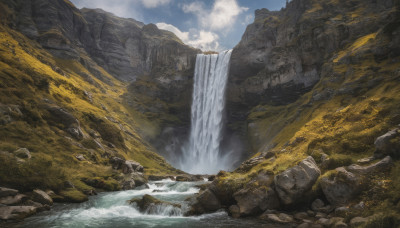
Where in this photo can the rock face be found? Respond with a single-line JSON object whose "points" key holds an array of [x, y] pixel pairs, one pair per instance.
{"points": [[293, 182], [282, 53], [126, 48]]}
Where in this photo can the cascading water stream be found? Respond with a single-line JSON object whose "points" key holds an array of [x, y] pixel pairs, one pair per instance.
{"points": [[203, 154]]}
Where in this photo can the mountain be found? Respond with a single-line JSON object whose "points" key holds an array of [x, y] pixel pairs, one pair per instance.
{"points": [[66, 97], [286, 56]]}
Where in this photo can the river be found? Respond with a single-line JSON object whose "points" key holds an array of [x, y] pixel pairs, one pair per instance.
{"points": [[111, 209]]}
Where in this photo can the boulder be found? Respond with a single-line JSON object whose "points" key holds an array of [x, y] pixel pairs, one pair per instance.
{"points": [[301, 215], [234, 211], [358, 221], [131, 166], [376, 167], [16, 212], [7, 192], [80, 157], [342, 211], [252, 201], [183, 178], [138, 178], [150, 205], [59, 115], [39, 207], [319, 215], [143, 186], [208, 201], [13, 200], [41, 197], [128, 185], [116, 162], [268, 154], [22, 153], [277, 218], [319, 206], [340, 225], [158, 178], [341, 186], [247, 165], [388, 144], [294, 182], [211, 178]]}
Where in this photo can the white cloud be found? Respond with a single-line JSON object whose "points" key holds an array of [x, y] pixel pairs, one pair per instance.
{"points": [[202, 39], [184, 36], [121, 8], [248, 19], [221, 17], [194, 7], [154, 3]]}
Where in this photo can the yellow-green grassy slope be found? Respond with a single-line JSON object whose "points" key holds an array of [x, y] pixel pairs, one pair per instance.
{"points": [[28, 79], [361, 104]]}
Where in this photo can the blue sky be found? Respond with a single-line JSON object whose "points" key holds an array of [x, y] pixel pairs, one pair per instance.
{"points": [[208, 25]]}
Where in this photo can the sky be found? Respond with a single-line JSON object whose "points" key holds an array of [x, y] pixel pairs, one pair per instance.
{"points": [[209, 24]]}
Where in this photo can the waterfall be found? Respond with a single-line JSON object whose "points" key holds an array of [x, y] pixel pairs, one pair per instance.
{"points": [[203, 155]]}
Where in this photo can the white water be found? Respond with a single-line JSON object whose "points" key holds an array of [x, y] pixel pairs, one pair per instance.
{"points": [[203, 154], [112, 210]]}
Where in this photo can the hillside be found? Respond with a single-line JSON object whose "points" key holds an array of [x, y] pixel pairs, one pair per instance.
{"points": [[63, 95]]}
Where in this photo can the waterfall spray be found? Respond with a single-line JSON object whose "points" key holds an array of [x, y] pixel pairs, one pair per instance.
{"points": [[203, 155]]}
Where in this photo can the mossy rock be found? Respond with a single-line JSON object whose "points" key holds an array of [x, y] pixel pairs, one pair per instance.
{"points": [[108, 184], [384, 221], [147, 200], [74, 196]]}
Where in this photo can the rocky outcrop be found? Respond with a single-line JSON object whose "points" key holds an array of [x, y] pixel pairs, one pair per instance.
{"points": [[294, 182], [131, 166], [343, 184], [58, 115], [281, 56], [126, 48], [15, 206], [132, 173], [16, 212], [388, 144]]}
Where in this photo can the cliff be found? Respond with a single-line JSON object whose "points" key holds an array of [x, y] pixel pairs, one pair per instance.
{"points": [[69, 80], [284, 54]]}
